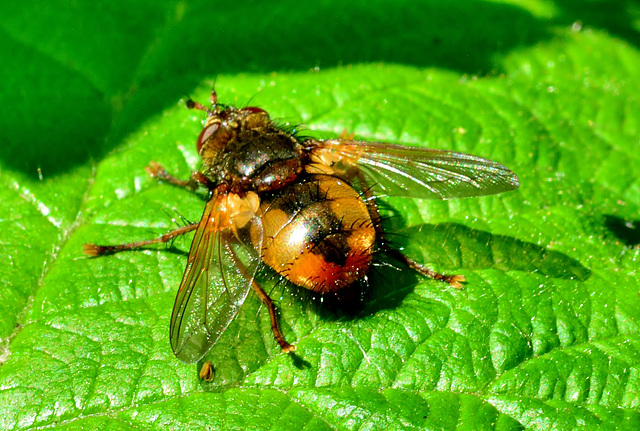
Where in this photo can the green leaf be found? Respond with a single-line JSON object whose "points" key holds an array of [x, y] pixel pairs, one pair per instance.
{"points": [[545, 333]]}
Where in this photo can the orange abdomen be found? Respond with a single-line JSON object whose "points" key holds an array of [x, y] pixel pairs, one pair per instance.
{"points": [[318, 234]]}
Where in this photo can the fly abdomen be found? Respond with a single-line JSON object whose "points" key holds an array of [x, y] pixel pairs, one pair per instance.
{"points": [[318, 234]]}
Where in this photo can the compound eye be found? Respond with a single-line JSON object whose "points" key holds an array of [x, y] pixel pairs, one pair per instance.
{"points": [[254, 110], [206, 134]]}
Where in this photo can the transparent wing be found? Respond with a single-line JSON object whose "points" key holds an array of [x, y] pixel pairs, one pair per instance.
{"points": [[218, 276], [396, 170]]}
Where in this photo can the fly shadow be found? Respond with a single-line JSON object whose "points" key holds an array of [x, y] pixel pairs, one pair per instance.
{"points": [[626, 231], [449, 247]]}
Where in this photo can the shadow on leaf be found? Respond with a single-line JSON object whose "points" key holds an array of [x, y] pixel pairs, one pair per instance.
{"points": [[449, 248], [453, 245], [60, 113], [625, 231], [617, 17]]}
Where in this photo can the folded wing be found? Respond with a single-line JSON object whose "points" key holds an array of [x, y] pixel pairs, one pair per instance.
{"points": [[397, 170], [215, 284]]}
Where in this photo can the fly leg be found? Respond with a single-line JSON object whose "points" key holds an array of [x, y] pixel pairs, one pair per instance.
{"points": [[197, 178], [273, 314], [454, 281], [93, 250], [206, 372], [155, 170], [267, 301]]}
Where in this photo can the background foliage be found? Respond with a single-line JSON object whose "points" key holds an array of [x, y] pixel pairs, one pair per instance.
{"points": [[545, 333]]}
